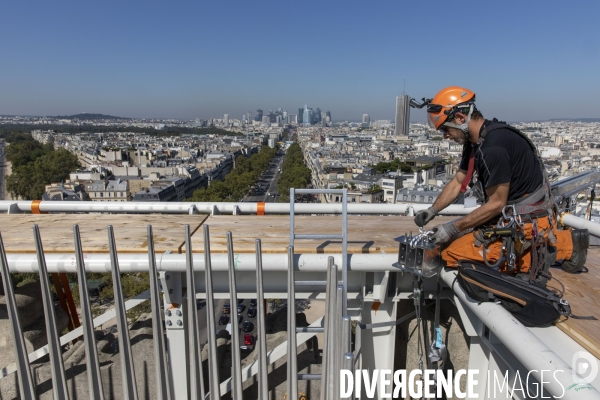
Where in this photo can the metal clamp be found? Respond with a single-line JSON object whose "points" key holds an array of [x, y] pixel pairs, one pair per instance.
{"points": [[418, 255]]}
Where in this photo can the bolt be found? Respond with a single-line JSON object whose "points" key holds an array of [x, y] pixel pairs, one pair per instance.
{"points": [[169, 323], [178, 312], [168, 312], [167, 277], [179, 322], [170, 291]]}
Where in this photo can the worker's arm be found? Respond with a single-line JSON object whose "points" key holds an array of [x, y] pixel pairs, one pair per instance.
{"points": [[497, 198], [450, 191]]}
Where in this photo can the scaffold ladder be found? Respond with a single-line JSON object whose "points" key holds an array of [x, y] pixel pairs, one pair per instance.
{"points": [[336, 353]]}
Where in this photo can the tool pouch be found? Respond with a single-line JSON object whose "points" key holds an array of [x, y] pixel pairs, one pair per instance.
{"points": [[530, 303]]}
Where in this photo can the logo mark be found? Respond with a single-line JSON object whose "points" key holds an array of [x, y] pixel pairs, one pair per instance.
{"points": [[585, 367]]}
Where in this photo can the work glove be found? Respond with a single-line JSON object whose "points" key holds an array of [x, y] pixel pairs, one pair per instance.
{"points": [[424, 216], [442, 233]]}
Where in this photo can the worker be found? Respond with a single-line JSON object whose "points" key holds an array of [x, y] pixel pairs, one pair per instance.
{"points": [[515, 229]]}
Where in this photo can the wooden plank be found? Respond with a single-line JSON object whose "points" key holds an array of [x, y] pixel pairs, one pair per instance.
{"points": [[366, 234], [582, 291], [130, 232]]}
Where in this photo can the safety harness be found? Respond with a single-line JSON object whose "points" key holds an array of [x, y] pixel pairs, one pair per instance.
{"points": [[510, 226]]}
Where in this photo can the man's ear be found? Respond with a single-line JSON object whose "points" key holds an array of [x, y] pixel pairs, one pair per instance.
{"points": [[460, 118]]}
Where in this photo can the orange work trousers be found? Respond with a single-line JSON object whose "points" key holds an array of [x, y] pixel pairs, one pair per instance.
{"points": [[464, 248]]}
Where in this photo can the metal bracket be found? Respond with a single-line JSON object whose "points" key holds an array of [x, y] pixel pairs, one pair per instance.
{"points": [[380, 285], [13, 208], [193, 210], [172, 299], [171, 286], [215, 210], [418, 256]]}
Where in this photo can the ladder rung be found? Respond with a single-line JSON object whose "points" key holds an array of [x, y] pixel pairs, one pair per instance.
{"points": [[310, 329], [309, 377], [318, 191], [340, 237], [310, 283]]}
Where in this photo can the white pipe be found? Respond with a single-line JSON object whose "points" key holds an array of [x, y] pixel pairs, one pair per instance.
{"points": [[523, 344], [20, 263], [222, 207], [580, 223]]}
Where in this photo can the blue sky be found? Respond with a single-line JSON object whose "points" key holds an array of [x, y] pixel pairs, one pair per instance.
{"points": [[526, 60]]}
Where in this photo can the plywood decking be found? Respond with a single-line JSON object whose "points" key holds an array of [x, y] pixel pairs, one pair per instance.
{"points": [[582, 291], [366, 234], [56, 231]]}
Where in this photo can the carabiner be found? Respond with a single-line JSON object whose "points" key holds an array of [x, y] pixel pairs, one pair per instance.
{"points": [[508, 207]]}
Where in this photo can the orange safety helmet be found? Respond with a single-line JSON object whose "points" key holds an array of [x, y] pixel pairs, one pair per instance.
{"points": [[447, 102]]}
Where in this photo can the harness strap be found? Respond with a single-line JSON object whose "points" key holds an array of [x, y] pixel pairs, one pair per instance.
{"points": [[463, 187]]}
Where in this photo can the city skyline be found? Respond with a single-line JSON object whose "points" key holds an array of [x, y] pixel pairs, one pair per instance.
{"points": [[206, 60]]}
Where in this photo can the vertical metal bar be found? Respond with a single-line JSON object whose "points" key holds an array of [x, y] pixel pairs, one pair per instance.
{"points": [[263, 385], [236, 368], [195, 359], [331, 276], [345, 251], [23, 372], [292, 201], [127, 371], [163, 383], [348, 364], [59, 382], [346, 328], [337, 361], [292, 362], [331, 332], [91, 351], [213, 371]]}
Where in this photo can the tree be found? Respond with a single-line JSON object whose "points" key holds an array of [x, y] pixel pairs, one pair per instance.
{"points": [[239, 180], [294, 174], [28, 180]]}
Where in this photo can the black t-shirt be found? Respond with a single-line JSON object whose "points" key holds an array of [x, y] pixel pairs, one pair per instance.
{"points": [[505, 157]]}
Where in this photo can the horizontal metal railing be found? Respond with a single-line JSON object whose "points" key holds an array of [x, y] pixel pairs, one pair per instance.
{"points": [[169, 368], [214, 207]]}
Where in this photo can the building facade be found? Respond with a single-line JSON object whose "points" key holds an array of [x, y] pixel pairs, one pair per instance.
{"points": [[402, 115]]}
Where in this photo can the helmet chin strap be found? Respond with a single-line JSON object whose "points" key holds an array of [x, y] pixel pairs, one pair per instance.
{"points": [[463, 127]]}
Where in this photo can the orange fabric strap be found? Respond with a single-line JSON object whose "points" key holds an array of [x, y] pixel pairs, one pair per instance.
{"points": [[260, 208]]}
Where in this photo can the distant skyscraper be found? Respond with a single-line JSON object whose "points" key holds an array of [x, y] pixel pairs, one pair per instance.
{"points": [[265, 120], [226, 119], [318, 115], [259, 115], [292, 118], [366, 119], [402, 115], [306, 119], [300, 115], [328, 115]]}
